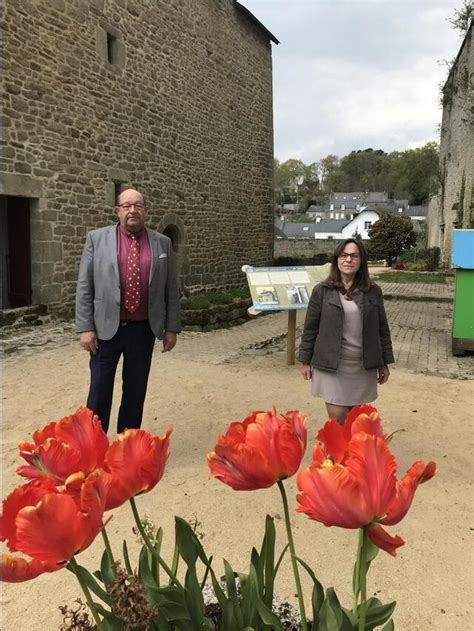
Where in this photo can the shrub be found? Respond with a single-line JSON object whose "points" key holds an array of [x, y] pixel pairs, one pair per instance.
{"points": [[219, 298], [432, 258], [398, 265], [195, 302]]}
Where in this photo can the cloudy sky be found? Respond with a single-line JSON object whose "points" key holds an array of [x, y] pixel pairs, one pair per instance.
{"points": [[353, 74]]}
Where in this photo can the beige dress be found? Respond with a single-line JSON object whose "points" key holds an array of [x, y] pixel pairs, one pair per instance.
{"points": [[351, 384]]}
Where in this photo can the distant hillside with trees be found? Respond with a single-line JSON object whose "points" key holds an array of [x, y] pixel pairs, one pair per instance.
{"points": [[410, 174]]}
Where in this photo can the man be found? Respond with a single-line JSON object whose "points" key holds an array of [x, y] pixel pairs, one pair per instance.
{"points": [[127, 294]]}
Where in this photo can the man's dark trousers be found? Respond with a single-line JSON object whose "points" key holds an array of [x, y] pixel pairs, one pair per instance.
{"points": [[135, 340]]}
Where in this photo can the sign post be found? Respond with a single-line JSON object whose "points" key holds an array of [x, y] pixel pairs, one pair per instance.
{"points": [[283, 289]]}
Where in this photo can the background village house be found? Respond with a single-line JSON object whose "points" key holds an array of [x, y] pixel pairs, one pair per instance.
{"points": [[173, 98]]}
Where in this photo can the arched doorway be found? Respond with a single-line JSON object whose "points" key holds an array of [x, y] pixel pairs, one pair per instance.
{"points": [[172, 226]]}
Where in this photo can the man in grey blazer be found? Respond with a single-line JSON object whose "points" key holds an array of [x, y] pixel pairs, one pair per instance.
{"points": [[127, 295]]}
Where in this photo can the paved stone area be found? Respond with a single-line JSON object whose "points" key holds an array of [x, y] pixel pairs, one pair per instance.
{"points": [[421, 333]]}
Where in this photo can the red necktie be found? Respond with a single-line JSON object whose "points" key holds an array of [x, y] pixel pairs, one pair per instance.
{"points": [[132, 285]]}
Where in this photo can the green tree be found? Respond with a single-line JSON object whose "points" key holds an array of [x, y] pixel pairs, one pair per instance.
{"points": [[389, 236]]}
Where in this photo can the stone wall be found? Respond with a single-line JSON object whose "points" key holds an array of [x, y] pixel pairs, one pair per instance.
{"points": [[303, 249], [453, 206], [173, 97]]}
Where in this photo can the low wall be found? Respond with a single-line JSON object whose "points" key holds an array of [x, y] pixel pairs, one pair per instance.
{"points": [[303, 248], [216, 316]]}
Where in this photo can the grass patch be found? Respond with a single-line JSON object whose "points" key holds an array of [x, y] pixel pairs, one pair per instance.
{"points": [[410, 277], [204, 301]]}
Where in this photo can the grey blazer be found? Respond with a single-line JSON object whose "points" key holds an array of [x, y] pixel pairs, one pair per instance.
{"points": [[98, 285]]}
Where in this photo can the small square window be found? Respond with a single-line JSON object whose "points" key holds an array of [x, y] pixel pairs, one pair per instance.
{"points": [[367, 225]]}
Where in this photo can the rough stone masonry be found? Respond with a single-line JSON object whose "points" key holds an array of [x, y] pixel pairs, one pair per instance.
{"points": [[173, 97]]}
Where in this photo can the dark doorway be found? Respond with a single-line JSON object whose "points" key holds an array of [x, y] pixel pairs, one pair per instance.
{"points": [[15, 252], [172, 233]]}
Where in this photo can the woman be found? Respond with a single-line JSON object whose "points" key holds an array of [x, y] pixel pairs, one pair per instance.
{"points": [[346, 347]]}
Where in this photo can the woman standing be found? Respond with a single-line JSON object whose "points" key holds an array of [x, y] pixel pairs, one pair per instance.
{"points": [[346, 347]]}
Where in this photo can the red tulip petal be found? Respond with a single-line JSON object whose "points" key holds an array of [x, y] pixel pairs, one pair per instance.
{"points": [[374, 468], [334, 439], [17, 570], [40, 435], [136, 462], [242, 468], [380, 538], [53, 530], [28, 494], [83, 432], [331, 496], [53, 459], [405, 491]]}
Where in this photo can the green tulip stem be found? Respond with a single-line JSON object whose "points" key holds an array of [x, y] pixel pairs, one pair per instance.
{"points": [[291, 543], [108, 547], [74, 566], [355, 598], [150, 546], [363, 579]]}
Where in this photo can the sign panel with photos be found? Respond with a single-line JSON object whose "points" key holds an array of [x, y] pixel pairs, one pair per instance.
{"points": [[283, 288]]}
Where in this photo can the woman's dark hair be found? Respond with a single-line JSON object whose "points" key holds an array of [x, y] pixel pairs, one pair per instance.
{"points": [[361, 279]]}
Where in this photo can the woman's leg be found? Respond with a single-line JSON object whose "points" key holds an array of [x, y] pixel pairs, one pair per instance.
{"points": [[338, 412]]}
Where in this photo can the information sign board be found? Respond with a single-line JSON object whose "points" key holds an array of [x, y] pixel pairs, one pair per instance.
{"points": [[283, 288]]}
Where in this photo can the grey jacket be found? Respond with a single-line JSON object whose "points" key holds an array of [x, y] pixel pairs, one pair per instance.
{"points": [[98, 285], [321, 341]]}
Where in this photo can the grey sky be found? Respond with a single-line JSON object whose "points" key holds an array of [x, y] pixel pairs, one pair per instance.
{"points": [[353, 74]]}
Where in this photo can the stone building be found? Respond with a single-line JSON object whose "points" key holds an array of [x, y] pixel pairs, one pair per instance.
{"points": [[453, 206], [173, 97]]}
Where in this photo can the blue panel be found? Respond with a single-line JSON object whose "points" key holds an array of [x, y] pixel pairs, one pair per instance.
{"points": [[462, 251]]}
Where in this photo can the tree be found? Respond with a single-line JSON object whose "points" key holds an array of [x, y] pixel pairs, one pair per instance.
{"points": [[389, 236]]}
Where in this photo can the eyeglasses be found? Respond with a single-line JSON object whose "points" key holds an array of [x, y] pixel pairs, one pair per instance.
{"points": [[127, 206], [353, 257]]}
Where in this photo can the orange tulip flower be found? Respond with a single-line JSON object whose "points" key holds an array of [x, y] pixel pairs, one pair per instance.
{"points": [[358, 486], [14, 569], [62, 448], [135, 463], [49, 526], [261, 450]]}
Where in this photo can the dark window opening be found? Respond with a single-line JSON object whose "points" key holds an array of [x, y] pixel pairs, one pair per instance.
{"points": [[15, 252], [111, 49], [118, 188]]}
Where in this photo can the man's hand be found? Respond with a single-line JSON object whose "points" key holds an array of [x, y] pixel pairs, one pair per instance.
{"points": [[384, 374], [169, 341], [88, 341], [306, 371]]}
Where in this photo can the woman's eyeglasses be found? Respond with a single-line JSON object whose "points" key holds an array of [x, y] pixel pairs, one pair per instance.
{"points": [[345, 256]]}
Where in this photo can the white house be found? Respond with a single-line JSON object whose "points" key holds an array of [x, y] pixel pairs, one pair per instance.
{"points": [[339, 229]]}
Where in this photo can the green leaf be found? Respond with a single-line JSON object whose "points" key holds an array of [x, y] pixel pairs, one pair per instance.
{"points": [[107, 570], [317, 597], [389, 626], [378, 615], [267, 616], [268, 557], [126, 558], [189, 546], [93, 585], [193, 598], [330, 614], [280, 558], [171, 603], [349, 621], [232, 592], [110, 621]]}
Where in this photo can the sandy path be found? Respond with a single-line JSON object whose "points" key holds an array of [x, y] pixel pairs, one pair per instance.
{"points": [[432, 577]]}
